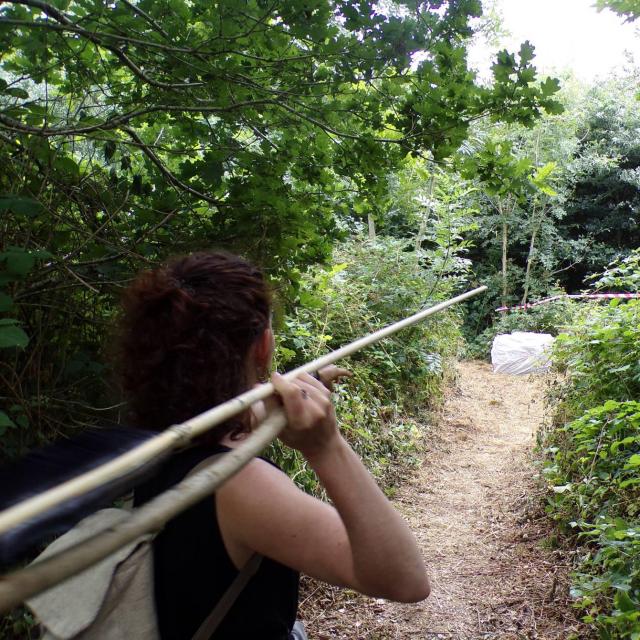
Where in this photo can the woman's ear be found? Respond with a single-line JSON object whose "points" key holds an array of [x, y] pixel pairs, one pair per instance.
{"points": [[264, 347]]}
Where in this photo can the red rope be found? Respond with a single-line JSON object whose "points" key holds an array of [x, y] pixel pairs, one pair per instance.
{"points": [[594, 296]]}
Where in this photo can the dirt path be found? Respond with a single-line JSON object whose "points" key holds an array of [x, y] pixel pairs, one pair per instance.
{"points": [[474, 506]]}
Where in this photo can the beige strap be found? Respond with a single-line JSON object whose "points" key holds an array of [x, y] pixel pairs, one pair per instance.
{"points": [[226, 602]]}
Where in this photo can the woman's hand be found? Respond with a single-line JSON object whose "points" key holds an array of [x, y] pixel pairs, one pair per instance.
{"points": [[331, 373], [311, 419], [360, 542]]}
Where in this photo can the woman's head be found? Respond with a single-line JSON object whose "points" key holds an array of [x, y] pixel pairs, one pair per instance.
{"points": [[189, 334]]}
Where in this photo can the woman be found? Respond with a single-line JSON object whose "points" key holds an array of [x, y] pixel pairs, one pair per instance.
{"points": [[194, 334]]}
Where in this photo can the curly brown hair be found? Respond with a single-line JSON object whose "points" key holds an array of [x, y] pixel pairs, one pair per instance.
{"points": [[185, 333]]}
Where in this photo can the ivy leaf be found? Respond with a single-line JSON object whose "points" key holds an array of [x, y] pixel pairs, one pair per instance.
{"points": [[21, 205], [11, 335], [18, 261], [6, 423]]}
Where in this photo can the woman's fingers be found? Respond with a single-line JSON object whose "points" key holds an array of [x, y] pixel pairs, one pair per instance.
{"points": [[332, 371], [329, 374], [310, 415], [290, 394], [305, 399], [305, 378], [318, 395]]}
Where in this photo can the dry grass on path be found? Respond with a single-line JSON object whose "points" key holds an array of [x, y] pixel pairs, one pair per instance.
{"points": [[475, 508]]}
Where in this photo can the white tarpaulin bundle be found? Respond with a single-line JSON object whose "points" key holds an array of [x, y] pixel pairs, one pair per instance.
{"points": [[521, 352]]}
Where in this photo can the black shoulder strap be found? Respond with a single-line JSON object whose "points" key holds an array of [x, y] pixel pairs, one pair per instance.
{"points": [[226, 602]]}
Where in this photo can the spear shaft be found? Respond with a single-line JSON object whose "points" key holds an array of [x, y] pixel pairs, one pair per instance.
{"points": [[16, 587]]}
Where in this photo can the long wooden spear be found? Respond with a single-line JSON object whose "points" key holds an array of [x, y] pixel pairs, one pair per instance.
{"points": [[16, 587]]}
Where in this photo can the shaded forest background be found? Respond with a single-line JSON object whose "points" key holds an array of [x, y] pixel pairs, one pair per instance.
{"points": [[280, 131], [134, 131], [345, 146]]}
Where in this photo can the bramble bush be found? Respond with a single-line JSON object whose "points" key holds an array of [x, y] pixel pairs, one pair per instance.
{"points": [[593, 457], [597, 458], [371, 285], [600, 359], [593, 472]]}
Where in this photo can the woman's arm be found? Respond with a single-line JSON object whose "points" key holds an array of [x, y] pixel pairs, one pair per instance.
{"points": [[361, 543]]}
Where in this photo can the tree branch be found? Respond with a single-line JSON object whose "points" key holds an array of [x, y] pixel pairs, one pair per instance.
{"points": [[62, 19], [117, 121], [197, 51], [165, 172], [137, 10]]}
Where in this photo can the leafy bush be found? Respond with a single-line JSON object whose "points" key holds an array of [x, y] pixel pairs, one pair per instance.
{"points": [[607, 587], [372, 285], [601, 359], [594, 475], [593, 455], [595, 464], [623, 274]]}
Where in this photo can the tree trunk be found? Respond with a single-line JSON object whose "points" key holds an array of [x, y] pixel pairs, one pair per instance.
{"points": [[372, 227], [527, 274], [534, 232], [425, 218], [505, 237]]}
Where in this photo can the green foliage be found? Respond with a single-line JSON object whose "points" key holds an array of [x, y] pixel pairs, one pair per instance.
{"points": [[181, 122], [593, 474], [432, 206], [628, 8], [595, 464], [593, 456], [557, 201], [601, 358], [130, 131], [602, 200], [621, 275], [19, 625], [372, 285], [519, 177], [501, 172]]}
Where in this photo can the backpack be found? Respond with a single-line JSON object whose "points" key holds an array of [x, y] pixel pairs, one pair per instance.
{"points": [[114, 599]]}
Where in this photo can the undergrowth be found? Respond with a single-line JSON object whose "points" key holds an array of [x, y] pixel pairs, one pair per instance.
{"points": [[396, 381], [593, 458]]}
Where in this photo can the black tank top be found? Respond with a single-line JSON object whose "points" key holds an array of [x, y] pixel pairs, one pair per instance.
{"points": [[193, 570]]}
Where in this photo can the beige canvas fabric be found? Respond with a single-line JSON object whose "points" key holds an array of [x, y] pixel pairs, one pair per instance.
{"points": [[109, 601]]}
